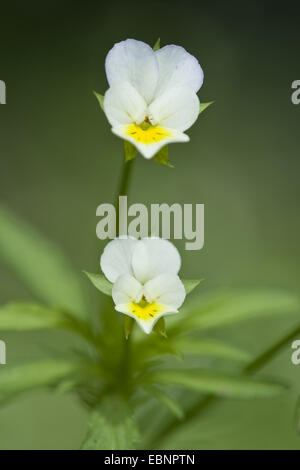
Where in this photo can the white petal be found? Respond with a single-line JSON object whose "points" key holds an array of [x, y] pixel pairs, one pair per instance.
{"points": [[116, 258], [177, 108], [166, 289], [124, 105], [150, 149], [153, 256], [127, 289], [135, 62], [177, 67]]}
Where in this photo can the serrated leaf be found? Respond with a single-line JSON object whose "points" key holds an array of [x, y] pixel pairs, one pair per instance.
{"points": [[190, 284], [166, 400], [219, 309], [28, 316], [130, 151], [162, 157], [210, 348], [100, 282], [15, 380], [204, 106], [100, 99], [160, 327], [218, 384], [40, 264], [111, 426], [157, 45]]}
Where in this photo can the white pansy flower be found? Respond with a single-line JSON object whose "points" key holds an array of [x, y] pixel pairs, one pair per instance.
{"points": [[145, 278], [152, 96]]}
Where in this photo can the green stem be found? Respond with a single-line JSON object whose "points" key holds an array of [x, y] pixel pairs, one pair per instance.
{"points": [[123, 188], [208, 400]]}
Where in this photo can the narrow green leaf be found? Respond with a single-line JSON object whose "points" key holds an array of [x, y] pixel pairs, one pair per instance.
{"points": [[27, 316], [100, 282], [219, 309], [100, 99], [15, 380], [210, 348], [111, 426], [39, 263], [157, 45], [190, 284], [168, 401], [128, 325], [130, 151], [162, 157], [204, 106], [219, 384]]}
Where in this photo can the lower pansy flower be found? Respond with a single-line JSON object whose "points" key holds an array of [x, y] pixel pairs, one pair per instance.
{"points": [[145, 278]]}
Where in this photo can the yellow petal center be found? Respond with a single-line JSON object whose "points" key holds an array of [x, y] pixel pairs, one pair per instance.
{"points": [[145, 133], [146, 311]]}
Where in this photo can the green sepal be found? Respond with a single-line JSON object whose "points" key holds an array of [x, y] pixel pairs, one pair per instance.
{"points": [[128, 325], [160, 327], [100, 282], [162, 157], [190, 284], [100, 99], [204, 106], [156, 45], [130, 151]]}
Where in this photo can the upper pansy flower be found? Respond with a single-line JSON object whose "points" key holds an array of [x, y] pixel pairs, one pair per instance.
{"points": [[145, 278], [152, 96]]}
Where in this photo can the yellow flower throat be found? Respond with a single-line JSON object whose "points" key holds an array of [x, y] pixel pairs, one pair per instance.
{"points": [[145, 133], [145, 310]]}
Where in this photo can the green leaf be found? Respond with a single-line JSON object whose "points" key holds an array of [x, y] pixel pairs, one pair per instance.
{"points": [[209, 348], [100, 99], [128, 325], [130, 151], [204, 106], [27, 316], [100, 282], [157, 45], [162, 157], [190, 284], [226, 308], [15, 380], [166, 400], [160, 327], [40, 264], [218, 384], [111, 426]]}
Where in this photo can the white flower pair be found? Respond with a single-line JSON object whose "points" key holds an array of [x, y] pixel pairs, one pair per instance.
{"points": [[145, 278], [152, 96]]}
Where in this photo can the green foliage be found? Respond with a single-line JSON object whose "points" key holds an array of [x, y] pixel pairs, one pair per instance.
{"points": [[167, 401], [220, 309], [209, 348], [160, 327], [128, 325], [27, 316], [42, 266], [112, 426], [219, 384], [162, 157], [15, 380], [100, 99], [100, 282], [130, 151]]}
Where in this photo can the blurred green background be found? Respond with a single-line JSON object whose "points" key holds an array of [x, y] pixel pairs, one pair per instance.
{"points": [[59, 161]]}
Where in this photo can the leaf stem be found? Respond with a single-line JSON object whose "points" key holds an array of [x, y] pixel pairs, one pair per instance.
{"points": [[208, 400]]}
